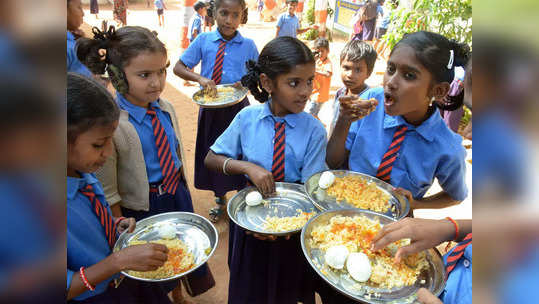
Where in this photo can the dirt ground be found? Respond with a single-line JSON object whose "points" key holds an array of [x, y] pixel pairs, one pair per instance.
{"points": [[187, 113]]}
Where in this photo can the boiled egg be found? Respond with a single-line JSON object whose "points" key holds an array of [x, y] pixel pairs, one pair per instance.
{"points": [[326, 180], [359, 266], [253, 198], [336, 256], [167, 231]]}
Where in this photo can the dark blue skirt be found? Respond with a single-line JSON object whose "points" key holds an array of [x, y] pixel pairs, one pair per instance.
{"points": [[181, 201], [265, 272], [211, 124]]}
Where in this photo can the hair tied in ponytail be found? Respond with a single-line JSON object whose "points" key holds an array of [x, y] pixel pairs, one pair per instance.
{"points": [[104, 36]]}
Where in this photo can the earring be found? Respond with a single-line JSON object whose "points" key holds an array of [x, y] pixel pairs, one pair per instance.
{"points": [[432, 100]]}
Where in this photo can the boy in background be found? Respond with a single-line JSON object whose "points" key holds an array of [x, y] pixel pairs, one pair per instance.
{"points": [[322, 77], [288, 23]]}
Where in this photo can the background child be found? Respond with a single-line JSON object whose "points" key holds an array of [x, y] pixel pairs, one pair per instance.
{"points": [[92, 118], [195, 25], [75, 16], [145, 174], [288, 22], [223, 53], [357, 63], [160, 7], [407, 129], [322, 78], [270, 270]]}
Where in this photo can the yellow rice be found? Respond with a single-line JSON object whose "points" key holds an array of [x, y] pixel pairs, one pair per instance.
{"points": [[280, 224], [179, 260], [360, 193], [356, 234]]}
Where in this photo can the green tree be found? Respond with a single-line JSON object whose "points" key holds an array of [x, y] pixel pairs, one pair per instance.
{"points": [[451, 18]]}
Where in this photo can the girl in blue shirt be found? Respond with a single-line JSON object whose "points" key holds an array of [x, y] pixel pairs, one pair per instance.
{"points": [[92, 118], [269, 269], [136, 60], [236, 50], [405, 141]]}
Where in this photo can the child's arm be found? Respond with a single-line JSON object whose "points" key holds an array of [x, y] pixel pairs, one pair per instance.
{"points": [[181, 70], [437, 201], [351, 109], [164, 6], [144, 257], [303, 30], [262, 178], [277, 32]]}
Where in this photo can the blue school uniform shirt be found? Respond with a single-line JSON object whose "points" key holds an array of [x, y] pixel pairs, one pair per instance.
{"points": [[251, 134], [428, 151], [288, 25], [458, 288], [195, 24], [143, 125], [237, 51], [158, 4], [73, 62], [87, 243]]}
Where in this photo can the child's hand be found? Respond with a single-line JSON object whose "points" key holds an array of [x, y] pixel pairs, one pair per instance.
{"points": [[127, 223], [426, 297], [207, 84], [354, 108], [262, 179], [406, 194], [423, 234], [145, 257]]}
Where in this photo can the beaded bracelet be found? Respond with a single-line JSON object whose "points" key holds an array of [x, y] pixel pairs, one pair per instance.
{"points": [[84, 280]]}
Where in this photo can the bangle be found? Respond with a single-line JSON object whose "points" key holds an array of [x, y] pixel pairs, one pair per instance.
{"points": [[224, 165], [456, 227], [118, 220], [84, 280]]}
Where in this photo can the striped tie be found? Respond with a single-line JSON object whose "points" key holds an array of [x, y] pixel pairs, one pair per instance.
{"points": [[279, 143], [171, 177], [102, 214], [457, 253], [386, 165], [218, 66]]}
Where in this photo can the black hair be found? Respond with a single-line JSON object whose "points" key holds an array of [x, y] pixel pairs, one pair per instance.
{"points": [[356, 50], [321, 43], [89, 104], [278, 57], [433, 51], [121, 46], [199, 5], [215, 4]]}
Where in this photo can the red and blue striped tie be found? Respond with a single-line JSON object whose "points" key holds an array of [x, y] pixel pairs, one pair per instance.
{"points": [[171, 177], [102, 214], [279, 143], [218, 66], [386, 165], [457, 253]]}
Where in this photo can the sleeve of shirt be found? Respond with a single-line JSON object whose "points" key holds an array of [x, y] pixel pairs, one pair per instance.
{"points": [[196, 25], [70, 274], [280, 21], [452, 176], [192, 56], [315, 158], [229, 143], [328, 67], [108, 176]]}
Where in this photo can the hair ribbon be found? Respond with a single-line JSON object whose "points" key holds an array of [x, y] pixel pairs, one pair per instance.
{"points": [[451, 59]]}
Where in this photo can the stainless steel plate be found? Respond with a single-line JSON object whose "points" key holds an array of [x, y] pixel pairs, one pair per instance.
{"points": [[431, 279], [288, 199], [237, 96], [198, 234], [323, 201]]}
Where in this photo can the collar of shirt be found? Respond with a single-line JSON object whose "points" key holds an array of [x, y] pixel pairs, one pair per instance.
{"points": [[426, 129], [216, 36], [134, 111], [70, 36], [290, 119], [76, 183]]}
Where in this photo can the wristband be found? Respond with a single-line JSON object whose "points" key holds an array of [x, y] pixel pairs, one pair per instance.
{"points": [[118, 220], [456, 231], [84, 280], [224, 165]]}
